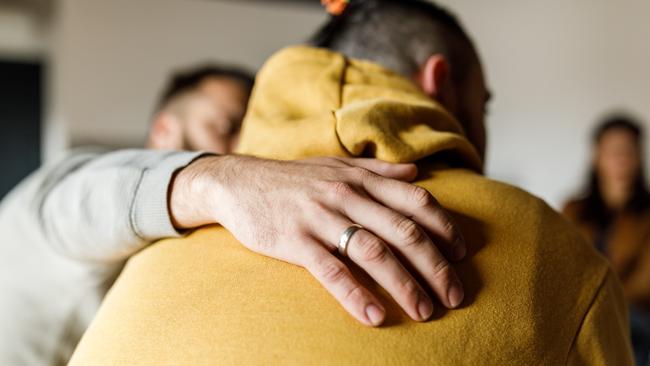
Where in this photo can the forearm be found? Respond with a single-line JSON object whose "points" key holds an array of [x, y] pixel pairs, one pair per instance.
{"points": [[107, 207], [272, 206]]}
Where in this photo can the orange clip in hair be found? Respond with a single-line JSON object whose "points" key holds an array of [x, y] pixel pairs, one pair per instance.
{"points": [[335, 7]]}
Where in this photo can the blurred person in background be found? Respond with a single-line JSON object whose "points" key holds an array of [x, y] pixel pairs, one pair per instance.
{"points": [[614, 215], [50, 284], [70, 226], [201, 109]]}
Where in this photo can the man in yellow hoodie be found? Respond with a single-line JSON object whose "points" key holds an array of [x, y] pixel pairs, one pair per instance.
{"points": [[535, 292]]}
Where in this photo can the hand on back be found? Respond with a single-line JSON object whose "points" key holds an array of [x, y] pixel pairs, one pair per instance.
{"points": [[296, 211]]}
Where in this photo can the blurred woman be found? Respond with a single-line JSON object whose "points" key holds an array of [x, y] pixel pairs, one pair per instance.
{"points": [[614, 215]]}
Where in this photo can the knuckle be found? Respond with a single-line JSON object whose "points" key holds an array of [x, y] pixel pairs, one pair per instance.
{"points": [[372, 249], [449, 229], [339, 189], [332, 271], [442, 269], [353, 294], [409, 231], [360, 173], [421, 197], [410, 290]]}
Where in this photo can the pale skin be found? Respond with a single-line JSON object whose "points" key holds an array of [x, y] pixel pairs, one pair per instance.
{"points": [[296, 211], [617, 160]]}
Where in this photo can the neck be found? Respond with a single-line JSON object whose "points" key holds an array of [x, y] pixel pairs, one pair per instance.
{"points": [[616, 194]]}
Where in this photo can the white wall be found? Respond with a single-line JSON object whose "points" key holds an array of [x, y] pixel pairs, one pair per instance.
{"points": [[554, 67], [113, 57], [23, 30]]}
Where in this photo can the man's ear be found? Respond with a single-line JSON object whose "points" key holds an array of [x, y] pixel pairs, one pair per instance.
{"points": [[434, 76], [165, 132]]}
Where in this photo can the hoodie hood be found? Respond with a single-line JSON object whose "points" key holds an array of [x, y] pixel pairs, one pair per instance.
{"points": [[314, 102]]}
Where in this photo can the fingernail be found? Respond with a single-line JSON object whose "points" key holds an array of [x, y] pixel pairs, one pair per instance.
{"points": [[459, 250], [425, 308], [375, 314], [455, 295]]}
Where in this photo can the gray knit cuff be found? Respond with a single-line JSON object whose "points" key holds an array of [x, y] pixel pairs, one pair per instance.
{"points": [[150, 212]]}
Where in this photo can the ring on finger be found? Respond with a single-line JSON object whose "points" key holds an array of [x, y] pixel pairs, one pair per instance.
{"points": [[345, 238]]}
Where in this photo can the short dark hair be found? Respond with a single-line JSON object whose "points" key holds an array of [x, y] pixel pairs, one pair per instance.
{"points": [[186, 80], [399, 35]]}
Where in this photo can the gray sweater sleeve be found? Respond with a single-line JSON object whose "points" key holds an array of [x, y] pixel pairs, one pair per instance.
{"points": [[103, 207]]}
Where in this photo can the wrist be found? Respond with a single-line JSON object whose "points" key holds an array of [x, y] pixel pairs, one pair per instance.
{"points": [[193, 193]]}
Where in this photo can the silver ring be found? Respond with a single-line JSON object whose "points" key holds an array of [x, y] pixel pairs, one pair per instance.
{"points": [[345, 238]]}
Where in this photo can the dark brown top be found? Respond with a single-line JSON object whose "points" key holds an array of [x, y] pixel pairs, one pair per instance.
{"points": [[626, 245]]}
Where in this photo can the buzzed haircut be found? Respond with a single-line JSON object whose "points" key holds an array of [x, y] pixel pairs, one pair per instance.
{"points": [[188, 80], [399, 35]]}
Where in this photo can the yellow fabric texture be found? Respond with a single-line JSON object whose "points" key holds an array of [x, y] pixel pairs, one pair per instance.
{"points": [[536, 293]]}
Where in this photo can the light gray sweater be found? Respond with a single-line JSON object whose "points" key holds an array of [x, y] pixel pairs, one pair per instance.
{"points": [[65, 233]]}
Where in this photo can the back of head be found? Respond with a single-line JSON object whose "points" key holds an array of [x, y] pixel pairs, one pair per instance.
{"points": [[399, 35], [424, 43]]}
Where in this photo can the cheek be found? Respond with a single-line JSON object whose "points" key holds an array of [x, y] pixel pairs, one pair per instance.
{"points": [[612, 163], [196, 130], [629, 164], [619, 165]]}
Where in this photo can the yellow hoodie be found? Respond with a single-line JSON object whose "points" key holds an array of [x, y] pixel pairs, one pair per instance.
{"points": [[536, 293]]}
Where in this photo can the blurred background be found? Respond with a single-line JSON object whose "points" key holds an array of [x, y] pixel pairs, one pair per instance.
{"points": [[79, 72]]}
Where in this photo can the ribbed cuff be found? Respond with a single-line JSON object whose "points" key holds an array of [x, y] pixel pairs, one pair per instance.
{"points": [[150, 210]]}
